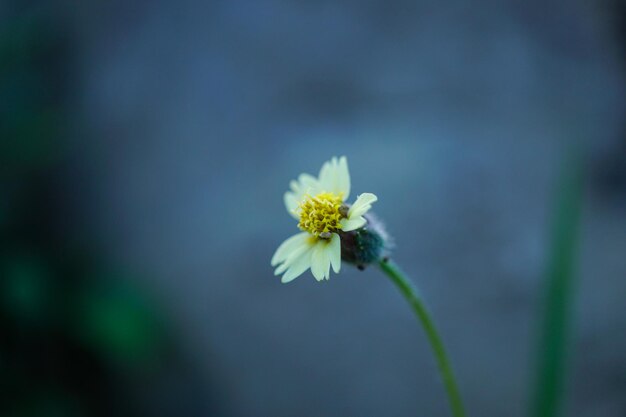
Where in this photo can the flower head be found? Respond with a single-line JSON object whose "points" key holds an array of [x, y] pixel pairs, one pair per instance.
{"points": [[323, 216]]}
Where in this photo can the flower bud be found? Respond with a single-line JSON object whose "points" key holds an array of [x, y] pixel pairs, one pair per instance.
{"points": [[366, 245]]}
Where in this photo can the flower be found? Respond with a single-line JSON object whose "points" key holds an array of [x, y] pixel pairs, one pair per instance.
{"points": [[323, 216]]}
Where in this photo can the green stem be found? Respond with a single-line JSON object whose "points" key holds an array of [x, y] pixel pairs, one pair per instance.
{"points": [[411, 294], [555, 348]]}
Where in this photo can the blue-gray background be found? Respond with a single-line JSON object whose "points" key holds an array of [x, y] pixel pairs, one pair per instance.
{"points": [[187, 120]]}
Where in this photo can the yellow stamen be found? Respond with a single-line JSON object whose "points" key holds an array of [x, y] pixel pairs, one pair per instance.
{"points": [[320, 214]]}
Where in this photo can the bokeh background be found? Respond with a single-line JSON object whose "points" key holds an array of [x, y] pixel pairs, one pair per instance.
{"points": [[144, 150]]}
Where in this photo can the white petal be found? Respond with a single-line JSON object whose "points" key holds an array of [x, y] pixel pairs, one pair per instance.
{"points": [[291, 204], [348, 225], [307, 181], [294, 256], [299, 265], [334, 253], [308, 184], [281, 268], [320, 260], [305, 184], [362, 205], [327, 270], [289, 246], [343, 178], [334, 177], [325, 177]]}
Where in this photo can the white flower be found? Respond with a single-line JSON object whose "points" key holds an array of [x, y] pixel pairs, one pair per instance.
{"points": [[318, 204]]}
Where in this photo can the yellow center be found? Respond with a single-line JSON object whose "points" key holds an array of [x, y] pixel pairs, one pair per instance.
{"points": [[321, 214]]}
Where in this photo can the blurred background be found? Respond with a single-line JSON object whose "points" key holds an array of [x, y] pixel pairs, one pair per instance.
{"points": [[144, 151]]}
